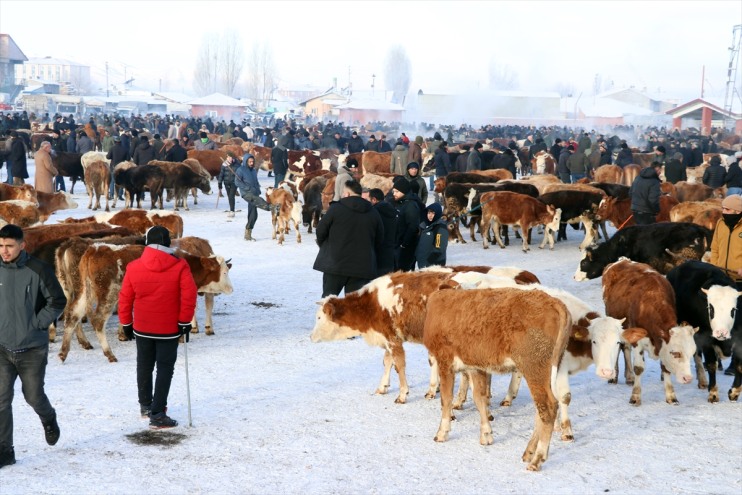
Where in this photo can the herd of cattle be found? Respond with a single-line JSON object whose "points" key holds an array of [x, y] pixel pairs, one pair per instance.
{"points": [[659, 299]]}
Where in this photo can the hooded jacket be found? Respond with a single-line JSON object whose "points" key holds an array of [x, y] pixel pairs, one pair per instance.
{"points": [[349, 236], [143, 154], [431, 247], [645, 192], [246, 178], [159, 290], [30, 300], [385, 254]]}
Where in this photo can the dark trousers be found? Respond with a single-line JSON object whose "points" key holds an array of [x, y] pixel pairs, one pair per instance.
{"points": [[59, 183], [644, 218], [332, 284], [404, 258], [30, 366], [151, 352], [279, 178], [230, 190], [253, 203]]}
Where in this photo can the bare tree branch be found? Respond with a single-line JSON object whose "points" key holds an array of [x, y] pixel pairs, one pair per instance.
{"points": [[261, 74], [231, 60], [205, 73], [502, 77]]}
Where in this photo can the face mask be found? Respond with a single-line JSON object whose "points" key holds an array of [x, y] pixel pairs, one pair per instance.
{"points": [[731, 219], [204, 140]]}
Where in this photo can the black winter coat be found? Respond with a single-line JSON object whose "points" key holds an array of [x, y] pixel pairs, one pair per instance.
{"points": [[176, 154], [385, 254], [409, 219], [17, 159], [442, 162], [675, 171], [734, 176], [355, 145], [645, 192], [143, 154], [714, 176], [349, 235], [117, 154], [624, 158]]}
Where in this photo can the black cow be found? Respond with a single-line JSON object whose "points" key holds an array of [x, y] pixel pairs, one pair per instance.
{"points": [[707, 298], [137, 180], [69, 165], [661, 245], [469, 178], [181, 178], [577, 206], [494, 160], [618, 191], [311, 210]]}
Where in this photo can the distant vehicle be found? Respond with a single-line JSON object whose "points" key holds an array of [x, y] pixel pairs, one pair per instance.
{"points": [[5, 107]]}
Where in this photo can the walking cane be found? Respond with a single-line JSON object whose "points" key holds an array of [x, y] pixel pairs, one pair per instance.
{"points": [[188, 384]]}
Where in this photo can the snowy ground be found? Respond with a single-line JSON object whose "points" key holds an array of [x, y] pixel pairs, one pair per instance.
{"points": [[274, 413]]}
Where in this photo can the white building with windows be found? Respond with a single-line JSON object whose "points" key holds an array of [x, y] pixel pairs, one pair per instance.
{"points": [[53, 69]]}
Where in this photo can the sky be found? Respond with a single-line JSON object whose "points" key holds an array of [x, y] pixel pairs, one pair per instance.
{"points": [[659, 45], [274, 413]]}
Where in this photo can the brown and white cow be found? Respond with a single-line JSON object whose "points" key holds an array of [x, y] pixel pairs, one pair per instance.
{"points": [[97, 180], [288, 211], [543, 163], [136, 220], [646, 300], [498, 331], [612, 174], [25, 192], [101, 272], [618, 211], [687, 211], [21, 213], [509, 208]]}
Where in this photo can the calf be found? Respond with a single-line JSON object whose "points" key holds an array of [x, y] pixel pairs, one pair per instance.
{"points": [[139, 179], [508, 208], [21, 213], [577, 206], [646, 300], [503, 330], [69, 165], [181, 178], [52, 202], [97, 180], [660, 245], [288, 210], [311, 210], [707, 298]]}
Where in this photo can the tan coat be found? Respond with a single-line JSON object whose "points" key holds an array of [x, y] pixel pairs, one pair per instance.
{"points": [[726, 249], [45, 172]]}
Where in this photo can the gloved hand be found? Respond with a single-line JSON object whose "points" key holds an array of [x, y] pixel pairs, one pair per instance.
{"points": [[220, 193], [129, 331], [185, 330]]}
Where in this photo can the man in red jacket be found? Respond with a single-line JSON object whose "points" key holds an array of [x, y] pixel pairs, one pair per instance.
{"points": [[160, 289]]}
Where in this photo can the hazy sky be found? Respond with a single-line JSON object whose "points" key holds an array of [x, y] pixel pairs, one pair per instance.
{"points": [[661, 45]]}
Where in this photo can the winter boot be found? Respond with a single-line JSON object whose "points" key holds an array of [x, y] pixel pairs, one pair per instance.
{"points": [[230, 214], [161, 421], [248, 235], [7, 457], [51, 430]]}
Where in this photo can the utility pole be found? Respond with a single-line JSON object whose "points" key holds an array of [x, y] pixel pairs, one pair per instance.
{"points": [[373, 84], [107, 79], [732, 89]]}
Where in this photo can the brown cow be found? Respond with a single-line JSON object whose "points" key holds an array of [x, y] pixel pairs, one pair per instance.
{"points": [[53, 202], [630, 173], [687, 211], [708, 218], [687, 191], [180, 178], [138, 221], [21, 213], [262, 156], [499, 330], [608, 173], [374, 162], [25, 192], [211, 160], [618, 211], [509, 208], [97, 180], [289, 210], [541, 181], [646, 299]]}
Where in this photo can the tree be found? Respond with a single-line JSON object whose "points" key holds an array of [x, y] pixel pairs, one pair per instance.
{"points": [[397, 72], [262, 75], [502, 77], [205, 73], [231, 61]]}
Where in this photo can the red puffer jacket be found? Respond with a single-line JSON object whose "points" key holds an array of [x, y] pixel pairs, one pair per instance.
{"points": [[160, 290]]}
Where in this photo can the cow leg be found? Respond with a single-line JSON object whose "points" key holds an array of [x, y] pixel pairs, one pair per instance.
{"points": [[564, 397], [479, 394], [99, 316], [636, 392], [52, 332], [194, 191], [274, 222], [447, 377], [589, 233], [670, 396], [485, 242], [515, 378], [710, 361], [562, 235], [106, 187], [72, 318], [526, 238], [383, 387], [433, 383], [628, 372], [460, 398], [737, 383], [700, 371], [399, 360], [209, 305], [495, 225], [537, 450]]}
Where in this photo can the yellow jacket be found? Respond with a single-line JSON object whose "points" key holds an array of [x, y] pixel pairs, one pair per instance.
{"points": [[726, 248]]}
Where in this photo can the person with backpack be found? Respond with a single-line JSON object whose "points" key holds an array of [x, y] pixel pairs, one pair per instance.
{"points": [[433, 240]]}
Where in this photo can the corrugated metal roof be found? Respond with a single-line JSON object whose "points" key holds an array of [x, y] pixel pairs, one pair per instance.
{"points": [[217, 100]]}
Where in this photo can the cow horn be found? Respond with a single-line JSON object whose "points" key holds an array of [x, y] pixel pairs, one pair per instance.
{"points": [[674, 255], [228, 261]]}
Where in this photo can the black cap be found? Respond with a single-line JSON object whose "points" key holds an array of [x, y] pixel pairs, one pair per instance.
{"points": [[157, 235]]}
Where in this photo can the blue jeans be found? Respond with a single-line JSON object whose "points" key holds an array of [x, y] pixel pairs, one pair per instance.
{"points": [[30, 366], [734, 190], [576, 177], [59, 183], [151, 352]]}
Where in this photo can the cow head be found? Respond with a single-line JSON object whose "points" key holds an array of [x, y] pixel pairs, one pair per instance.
{"points": [[722, 309], [553, 223], [588, 268], [325, 326], [222, 284], [676, 354], [604, 334]]}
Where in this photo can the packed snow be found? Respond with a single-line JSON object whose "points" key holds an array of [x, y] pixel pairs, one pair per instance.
{"points": [[274, 413]]}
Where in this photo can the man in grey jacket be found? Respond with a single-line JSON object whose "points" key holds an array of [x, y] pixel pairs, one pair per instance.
{"points": [[30, 300]]}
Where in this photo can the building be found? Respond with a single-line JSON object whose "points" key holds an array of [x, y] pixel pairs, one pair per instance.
{"points": [[72, 76], [367, 110], [656, 103], [323, 106], [11, 57], [218, 106], [704, 115]]}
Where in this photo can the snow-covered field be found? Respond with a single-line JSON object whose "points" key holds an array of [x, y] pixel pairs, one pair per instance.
{"points": [[274, 413]]}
